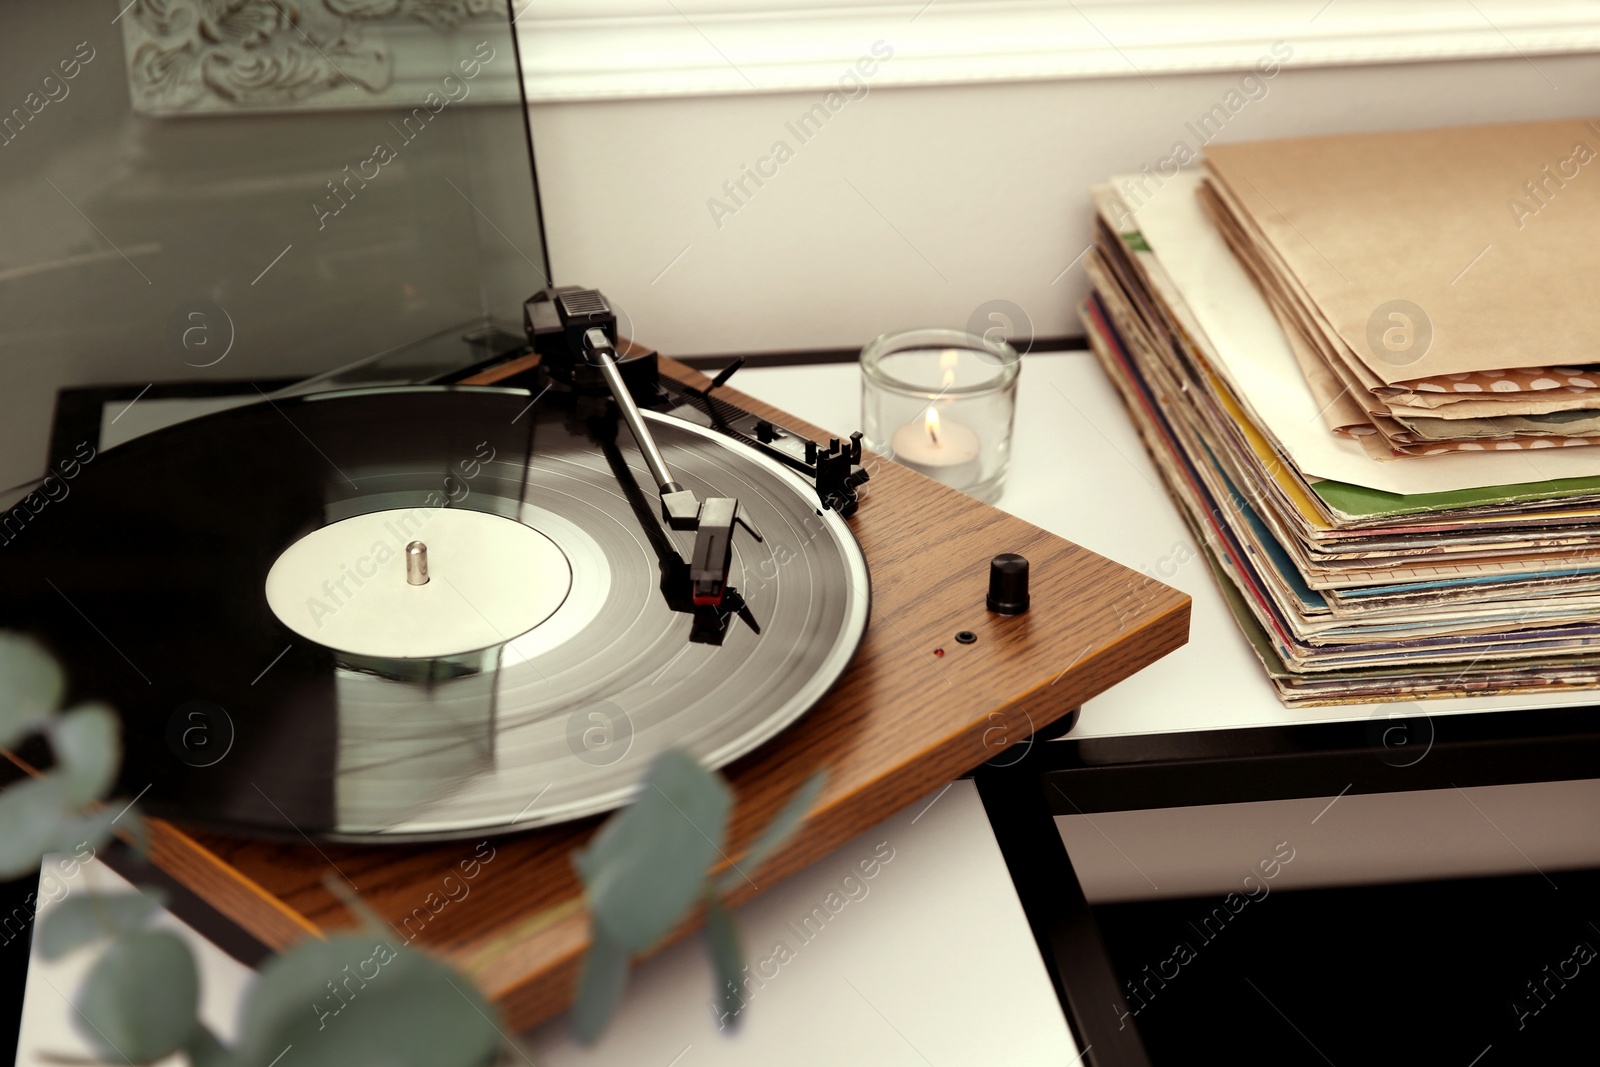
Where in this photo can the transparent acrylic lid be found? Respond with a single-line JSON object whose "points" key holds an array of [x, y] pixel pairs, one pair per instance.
{"points": [[215, 190]]}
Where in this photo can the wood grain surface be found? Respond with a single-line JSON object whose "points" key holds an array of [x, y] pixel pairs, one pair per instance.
{"points": [[905, 718]]}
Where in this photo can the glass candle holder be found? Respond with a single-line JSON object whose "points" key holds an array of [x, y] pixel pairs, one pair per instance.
{"points": [[942, 402]]}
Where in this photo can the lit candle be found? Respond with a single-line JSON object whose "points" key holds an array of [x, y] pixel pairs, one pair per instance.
{"points": [[945, 450]]}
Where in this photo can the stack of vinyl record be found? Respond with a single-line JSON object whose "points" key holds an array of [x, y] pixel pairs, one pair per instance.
{"points": [[1368, 386]]}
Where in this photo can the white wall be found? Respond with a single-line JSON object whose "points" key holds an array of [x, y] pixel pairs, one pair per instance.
{"points": [[914, 206]]}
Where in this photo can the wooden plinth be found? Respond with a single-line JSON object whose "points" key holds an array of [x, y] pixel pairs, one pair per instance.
{"points": [[901, 722]]}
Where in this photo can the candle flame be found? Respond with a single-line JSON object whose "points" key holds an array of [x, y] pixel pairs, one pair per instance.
{"points": [[947, 363], [931, 421]]}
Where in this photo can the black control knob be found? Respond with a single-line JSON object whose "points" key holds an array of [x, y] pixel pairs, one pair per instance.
{"points": [[1008, 584]]}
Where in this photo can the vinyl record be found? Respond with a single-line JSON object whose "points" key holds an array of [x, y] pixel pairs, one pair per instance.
{"points": [[237, 588]]}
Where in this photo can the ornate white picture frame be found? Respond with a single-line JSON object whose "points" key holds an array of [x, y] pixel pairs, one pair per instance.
{"points": [[189, 57]]}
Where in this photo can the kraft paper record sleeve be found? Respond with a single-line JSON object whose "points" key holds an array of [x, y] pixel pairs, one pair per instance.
{"points": [[1493, 231]]}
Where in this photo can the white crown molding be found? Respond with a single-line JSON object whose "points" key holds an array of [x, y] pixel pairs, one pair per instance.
{"points": [[576, 50]]}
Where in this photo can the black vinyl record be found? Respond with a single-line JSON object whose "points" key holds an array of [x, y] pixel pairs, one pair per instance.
{"points": [[149, 581]]}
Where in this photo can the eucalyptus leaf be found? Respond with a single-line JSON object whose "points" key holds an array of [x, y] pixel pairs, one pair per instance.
{"points": [[139, 1001], [32, 812], [364, 999], [31, 686], [204, 1050], [727, 957], [600, 986], [87, 917], [647, 865], [88, 745], [40, 820], [92, 828], [779, 830]]}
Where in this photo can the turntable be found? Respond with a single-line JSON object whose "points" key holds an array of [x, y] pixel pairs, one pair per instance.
{"points": [[396, 632]]}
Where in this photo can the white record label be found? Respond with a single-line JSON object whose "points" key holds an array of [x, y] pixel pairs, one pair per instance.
{"points": [[490, 579]]}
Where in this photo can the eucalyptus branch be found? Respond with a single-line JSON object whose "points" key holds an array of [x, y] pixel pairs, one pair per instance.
{"points": [[352, 997]]}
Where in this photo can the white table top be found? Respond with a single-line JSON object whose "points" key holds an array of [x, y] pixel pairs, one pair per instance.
{"points": [[931, 960], [1080, 471]]}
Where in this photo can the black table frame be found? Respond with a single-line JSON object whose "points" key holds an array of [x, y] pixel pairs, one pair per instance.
{"points": [[1406, 752]]}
